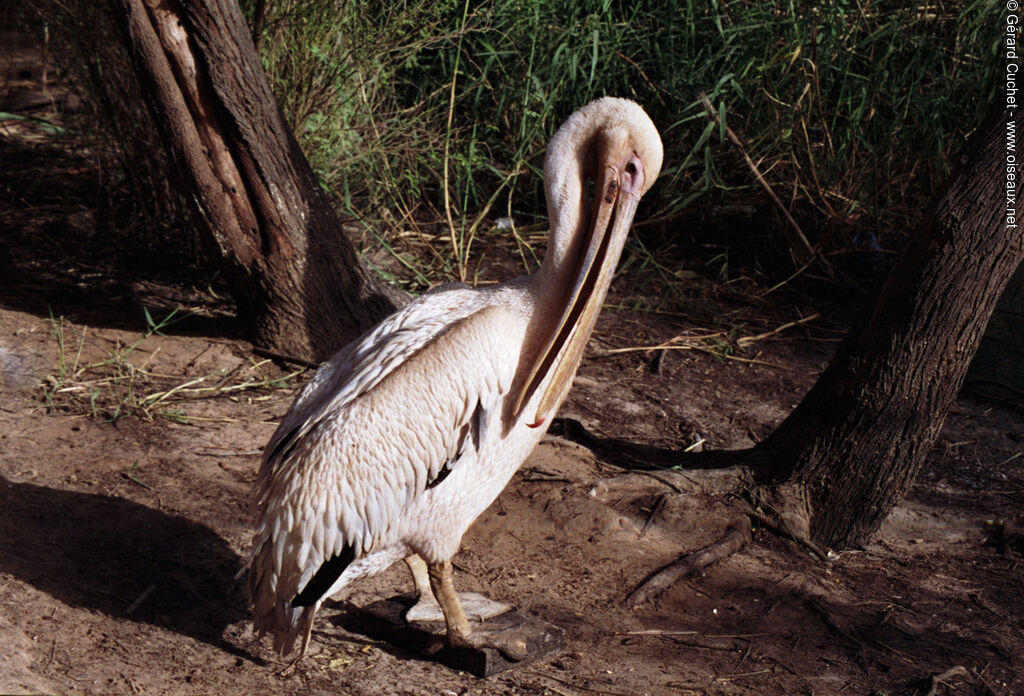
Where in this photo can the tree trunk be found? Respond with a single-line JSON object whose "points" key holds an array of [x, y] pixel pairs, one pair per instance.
{"points": [[848, 453], [295, 277], [997, 370]]}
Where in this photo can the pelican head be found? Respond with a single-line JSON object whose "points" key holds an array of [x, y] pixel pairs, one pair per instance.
{"points": [[613, 143]]}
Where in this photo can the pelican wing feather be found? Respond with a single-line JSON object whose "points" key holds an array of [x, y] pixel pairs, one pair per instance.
{"points": [[384, 421]]}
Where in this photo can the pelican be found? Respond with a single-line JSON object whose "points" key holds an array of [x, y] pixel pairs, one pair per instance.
{"points": [[407, 434]]}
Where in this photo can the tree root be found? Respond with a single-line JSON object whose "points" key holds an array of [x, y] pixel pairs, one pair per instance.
{"points": [[654, 462], [936, 679], [737, 536], [294, 359], [779, 527]]}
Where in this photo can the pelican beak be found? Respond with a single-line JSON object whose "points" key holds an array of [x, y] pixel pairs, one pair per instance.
{"points": [[617, 191]]}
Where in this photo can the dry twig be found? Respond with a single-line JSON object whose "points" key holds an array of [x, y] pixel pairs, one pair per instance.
{"points": [[636, 457], [747, 340]]}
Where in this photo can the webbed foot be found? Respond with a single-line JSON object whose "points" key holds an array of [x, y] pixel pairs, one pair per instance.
{"points": [[476, 606]]}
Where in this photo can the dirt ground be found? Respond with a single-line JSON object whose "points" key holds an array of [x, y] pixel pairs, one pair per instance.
{"points": [[125, 504]]}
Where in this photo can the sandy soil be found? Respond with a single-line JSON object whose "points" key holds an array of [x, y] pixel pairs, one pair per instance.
{"points": [[125, 493], [120, 542]]}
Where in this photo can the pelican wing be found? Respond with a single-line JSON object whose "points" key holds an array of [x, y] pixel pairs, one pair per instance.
{"points": [[360, 365], [387, 422]]}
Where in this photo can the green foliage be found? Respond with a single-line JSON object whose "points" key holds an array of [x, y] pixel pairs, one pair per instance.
{"points": [[849, 109]]}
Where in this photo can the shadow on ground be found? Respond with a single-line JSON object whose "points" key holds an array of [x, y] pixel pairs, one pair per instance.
{"points": [[120, 558], [70, 246]]}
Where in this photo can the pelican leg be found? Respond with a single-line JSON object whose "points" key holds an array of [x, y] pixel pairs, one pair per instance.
{"points": [[442, 582], [460, 635], [426, 607], [476, 606]]}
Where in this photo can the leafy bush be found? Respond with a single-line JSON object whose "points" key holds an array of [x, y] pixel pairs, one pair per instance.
{"points": [[851, 110]]}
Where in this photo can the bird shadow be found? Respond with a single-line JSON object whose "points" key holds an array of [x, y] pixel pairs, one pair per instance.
{"points": [[123, 559], [361, 627]]}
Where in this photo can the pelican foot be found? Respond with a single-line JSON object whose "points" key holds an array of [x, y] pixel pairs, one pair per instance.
{"points": [[477, 607], [509, 642]]}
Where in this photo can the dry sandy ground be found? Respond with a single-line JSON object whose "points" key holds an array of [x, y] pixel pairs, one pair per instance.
{"points": [[120, 541]]}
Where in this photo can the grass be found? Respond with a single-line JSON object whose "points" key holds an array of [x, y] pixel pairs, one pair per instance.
{"points": [[432, 117], [121, 383]]}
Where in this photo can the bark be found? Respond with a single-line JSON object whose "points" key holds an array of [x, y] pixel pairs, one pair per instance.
{"points": [[296, 279], [848, 453]]}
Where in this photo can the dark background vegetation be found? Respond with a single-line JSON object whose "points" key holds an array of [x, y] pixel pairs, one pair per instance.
{"points": [[410, 111]]}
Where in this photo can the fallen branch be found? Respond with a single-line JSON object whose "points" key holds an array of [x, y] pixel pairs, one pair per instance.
{"points": [[957, 671], [737, 536]]}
